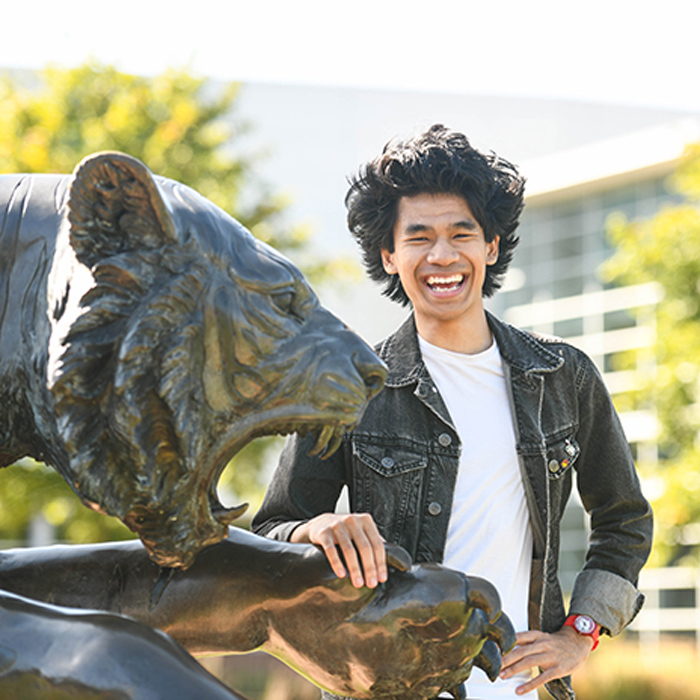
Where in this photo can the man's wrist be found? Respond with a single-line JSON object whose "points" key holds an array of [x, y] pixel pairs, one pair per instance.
{"points": [[585, 626]]}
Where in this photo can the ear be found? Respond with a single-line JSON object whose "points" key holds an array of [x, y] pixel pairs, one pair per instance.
{"points": [[114, 205], [492, 251], [388, 262]]}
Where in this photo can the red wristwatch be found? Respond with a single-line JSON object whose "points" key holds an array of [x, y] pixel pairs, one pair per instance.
{"points": [[585, 626]]}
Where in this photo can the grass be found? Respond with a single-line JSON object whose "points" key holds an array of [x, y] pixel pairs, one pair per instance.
{"points": [[624, 670]]}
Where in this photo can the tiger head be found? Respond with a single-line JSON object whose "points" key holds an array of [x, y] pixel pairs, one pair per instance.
{"points": [[180, 338]]}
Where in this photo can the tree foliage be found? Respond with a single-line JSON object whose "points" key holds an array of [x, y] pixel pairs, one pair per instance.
{"points": [[182, 127], [666, 249]]}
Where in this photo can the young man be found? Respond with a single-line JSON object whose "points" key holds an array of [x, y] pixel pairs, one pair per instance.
{"points": [[467, 455]]}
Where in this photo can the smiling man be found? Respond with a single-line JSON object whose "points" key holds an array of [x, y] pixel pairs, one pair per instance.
{"points": [[467, 456]]}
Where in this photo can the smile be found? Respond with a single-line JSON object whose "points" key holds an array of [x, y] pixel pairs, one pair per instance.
{"points": [[444, 284]]}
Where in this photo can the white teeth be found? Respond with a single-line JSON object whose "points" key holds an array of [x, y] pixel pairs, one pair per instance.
{"points": [[444, 281]]}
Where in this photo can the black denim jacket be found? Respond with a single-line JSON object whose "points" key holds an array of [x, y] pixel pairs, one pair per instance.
{"points": [[400, 464]]}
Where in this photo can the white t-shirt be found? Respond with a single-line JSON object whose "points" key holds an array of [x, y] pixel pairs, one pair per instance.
{"points": [[489, 533]]}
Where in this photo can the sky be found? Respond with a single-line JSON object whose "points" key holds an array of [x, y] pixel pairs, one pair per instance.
{"points": [[610, 51]]}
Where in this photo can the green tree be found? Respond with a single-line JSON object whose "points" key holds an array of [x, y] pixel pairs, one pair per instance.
{"points": [[666, 249], [182, 127]]}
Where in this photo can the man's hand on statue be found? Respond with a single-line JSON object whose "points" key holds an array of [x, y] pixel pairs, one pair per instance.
{"points": [[556, 655], [356, 536]]}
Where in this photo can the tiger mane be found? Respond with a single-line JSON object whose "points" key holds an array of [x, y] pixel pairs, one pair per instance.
{"points": [[119, 414]]}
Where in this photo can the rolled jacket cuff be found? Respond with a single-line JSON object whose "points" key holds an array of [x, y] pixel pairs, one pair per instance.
{"points": [[612, 601], [282, 531]]}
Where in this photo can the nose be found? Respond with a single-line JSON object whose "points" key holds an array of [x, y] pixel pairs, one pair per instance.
{"points": [[442, 252], [372, 370]]}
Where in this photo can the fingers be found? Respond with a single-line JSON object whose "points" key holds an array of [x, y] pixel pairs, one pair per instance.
{"points": [[352, 538], [327, 541], [557, 655], [530, 645]]}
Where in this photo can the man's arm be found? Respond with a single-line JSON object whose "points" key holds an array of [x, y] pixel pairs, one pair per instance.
{"points": [[299, 507], [620, 517], [620, 541], [301, 488]]}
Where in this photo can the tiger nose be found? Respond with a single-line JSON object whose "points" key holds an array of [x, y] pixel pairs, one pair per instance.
{"points": [[372, 370]]}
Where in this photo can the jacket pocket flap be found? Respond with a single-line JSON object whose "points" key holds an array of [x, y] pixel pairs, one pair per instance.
{"points": [[389, 460]]}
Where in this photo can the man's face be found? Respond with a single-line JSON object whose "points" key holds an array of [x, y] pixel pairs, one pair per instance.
{"points": [[440, 255]]}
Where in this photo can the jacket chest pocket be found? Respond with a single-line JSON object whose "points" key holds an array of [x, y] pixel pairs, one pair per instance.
{"points": [[562, 453], [389, 484]]}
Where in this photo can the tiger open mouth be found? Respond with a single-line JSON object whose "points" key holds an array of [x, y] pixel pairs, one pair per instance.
{"points": [[328, 437]]}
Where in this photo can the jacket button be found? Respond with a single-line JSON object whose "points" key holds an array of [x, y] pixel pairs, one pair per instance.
{"points": [[445, 439], [434, 508], [387, 462], [553, 466]]}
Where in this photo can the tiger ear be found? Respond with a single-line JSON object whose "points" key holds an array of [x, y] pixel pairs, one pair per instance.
{"points": [[114, 205]]}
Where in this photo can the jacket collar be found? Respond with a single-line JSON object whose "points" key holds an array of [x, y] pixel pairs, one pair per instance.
{"points": [[402, 355], [528, 352], [519, 349]]}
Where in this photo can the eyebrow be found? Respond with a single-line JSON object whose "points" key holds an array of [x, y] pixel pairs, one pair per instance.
{"points": [[466, 224]]}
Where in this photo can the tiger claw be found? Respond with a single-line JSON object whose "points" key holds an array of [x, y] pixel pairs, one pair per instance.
{"points": [[478, 624], [398, 557], [489, 659], [459, 692], [483, 594], [502, 632], [489, 621]]}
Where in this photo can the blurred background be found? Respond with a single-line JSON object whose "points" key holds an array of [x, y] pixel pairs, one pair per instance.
{"points": [[267, 107]]}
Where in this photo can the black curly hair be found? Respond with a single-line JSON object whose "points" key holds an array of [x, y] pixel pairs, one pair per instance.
{"points": [[438, 161]]}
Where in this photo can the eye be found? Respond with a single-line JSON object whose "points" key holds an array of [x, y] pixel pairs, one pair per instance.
{"points": [[284, 301]]}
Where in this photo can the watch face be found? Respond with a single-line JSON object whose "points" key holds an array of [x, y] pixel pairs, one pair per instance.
{"points": [[584, 624]]}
